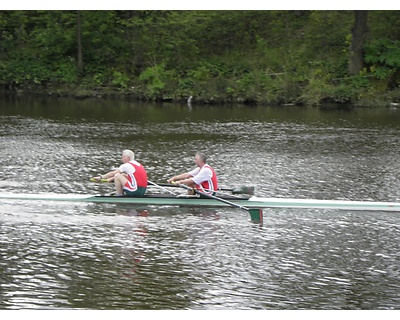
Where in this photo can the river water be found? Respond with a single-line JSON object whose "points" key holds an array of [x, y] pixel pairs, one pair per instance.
{"points": [[56, 255]]}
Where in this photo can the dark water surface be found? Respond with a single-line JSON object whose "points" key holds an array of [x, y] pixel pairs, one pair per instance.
{"points": [[106, 256]]}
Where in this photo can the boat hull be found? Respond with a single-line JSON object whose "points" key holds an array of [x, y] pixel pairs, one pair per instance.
{"points": [[252, 202]]}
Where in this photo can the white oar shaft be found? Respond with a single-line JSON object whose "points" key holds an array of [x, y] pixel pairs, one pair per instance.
{"points": [[160, 187]]}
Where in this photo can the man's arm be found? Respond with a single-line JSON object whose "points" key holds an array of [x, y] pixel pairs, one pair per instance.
{"points": [[180, 177]]}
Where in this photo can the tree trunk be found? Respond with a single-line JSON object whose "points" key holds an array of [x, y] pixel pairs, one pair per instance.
{"points": [[359, 34], [79, 37]]}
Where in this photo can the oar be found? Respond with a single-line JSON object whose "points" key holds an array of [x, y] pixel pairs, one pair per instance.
{"points": [[239, 190], [242, 189], [233, 195], [162, 188], [255, 214]]}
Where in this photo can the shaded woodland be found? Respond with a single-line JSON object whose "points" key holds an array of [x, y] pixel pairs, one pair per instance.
{"points": [[251, 57]]}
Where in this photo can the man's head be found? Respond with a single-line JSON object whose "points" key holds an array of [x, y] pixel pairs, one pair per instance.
{"points": [[128, 155], [200, 159]]}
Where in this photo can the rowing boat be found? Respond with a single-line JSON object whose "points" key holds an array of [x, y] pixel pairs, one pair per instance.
{"points": [[182, 200]]}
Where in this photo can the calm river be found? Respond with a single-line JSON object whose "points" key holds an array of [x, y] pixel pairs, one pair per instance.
{"points": [[56, 255]]}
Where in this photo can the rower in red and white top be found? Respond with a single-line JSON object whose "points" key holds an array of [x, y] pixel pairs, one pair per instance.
{"points": [[130, 178], [202, 178]]}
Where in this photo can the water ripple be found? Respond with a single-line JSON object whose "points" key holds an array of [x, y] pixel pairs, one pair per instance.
{"points": [[107, 256]]}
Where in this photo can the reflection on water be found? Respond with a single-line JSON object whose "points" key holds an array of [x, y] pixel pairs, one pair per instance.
{"points": [[108, 256]]}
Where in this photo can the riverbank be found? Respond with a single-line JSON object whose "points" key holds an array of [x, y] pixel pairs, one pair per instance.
{"points": [[299, 58], [383, 100]]}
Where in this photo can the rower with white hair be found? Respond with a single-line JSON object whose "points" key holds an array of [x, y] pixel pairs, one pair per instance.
{"points": [[130, 178]]}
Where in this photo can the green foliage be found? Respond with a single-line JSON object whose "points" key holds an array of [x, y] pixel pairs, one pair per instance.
{"points": [[157, 80], [242, 56], [383, 57], [120, 79]]}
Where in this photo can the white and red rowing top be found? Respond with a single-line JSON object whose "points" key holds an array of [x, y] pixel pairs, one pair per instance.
{"points": [[205, 179], [137, 176]]}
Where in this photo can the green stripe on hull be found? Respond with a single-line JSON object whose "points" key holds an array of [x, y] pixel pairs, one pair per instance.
{"points": [[253, 202]]}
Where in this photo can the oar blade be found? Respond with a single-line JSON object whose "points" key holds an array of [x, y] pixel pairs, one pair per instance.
{"points": [[243, 190], [256, 215]]}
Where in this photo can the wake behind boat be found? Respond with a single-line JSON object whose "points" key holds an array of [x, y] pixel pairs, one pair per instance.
{"points": [[182, 200]]}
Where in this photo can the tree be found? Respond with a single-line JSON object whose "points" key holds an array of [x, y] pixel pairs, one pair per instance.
{"points": [[79, 38], [359, 34]]}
